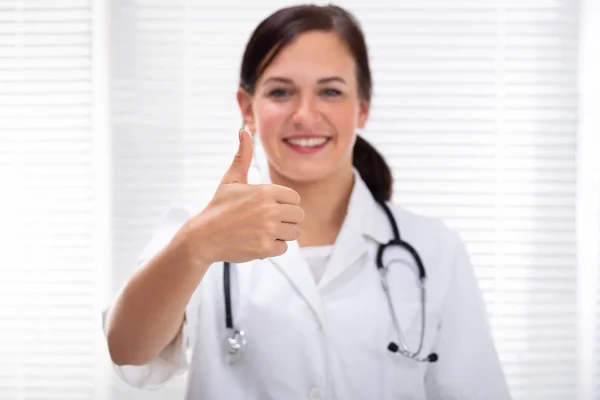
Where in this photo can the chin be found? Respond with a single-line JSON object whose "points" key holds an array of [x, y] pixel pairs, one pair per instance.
{"points": [[308, 173]]}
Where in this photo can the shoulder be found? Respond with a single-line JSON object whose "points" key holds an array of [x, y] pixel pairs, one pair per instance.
{"points": [[440, 247], [423, 228], [168, 224]]}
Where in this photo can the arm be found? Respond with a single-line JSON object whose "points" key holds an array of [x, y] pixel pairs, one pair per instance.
{"points": [[148, 314], [148, 327], [468, 367]]}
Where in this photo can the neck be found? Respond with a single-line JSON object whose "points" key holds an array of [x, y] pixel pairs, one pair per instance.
{"points": [[324, 202]]}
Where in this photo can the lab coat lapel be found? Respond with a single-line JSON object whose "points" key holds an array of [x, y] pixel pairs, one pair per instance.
{"points": [[293, 266], [366, 227], [351, 243]]}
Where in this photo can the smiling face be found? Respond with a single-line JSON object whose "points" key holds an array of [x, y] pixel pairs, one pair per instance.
{"points": [[306, 108]]}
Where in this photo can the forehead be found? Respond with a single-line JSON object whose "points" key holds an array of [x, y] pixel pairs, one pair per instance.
{"points": [[311, 56]]}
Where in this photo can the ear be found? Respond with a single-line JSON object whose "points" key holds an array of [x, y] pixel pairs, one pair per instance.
{"points": [[245, 102], [363, 113]]}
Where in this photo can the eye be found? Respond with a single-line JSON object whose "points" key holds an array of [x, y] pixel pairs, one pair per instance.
{"points": [[330, 92], [279, 93]]}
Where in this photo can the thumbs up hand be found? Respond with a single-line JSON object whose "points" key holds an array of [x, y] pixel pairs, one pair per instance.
{"points": [[244, 222], [238, 170]]}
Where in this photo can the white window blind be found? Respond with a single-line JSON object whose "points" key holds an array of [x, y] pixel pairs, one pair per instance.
{"points": [[150, 157], [46, 184], [476, 111], [588, 206], [475, 108]]}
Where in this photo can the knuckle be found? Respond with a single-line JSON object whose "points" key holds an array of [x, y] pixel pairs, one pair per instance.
{"points": [[265, 191], [291, 195], [295, 231], [270, 212], [281, 248], [296, 197], [238, 158], [301, 214], [257, 194], [265, 245], [271, 228]]}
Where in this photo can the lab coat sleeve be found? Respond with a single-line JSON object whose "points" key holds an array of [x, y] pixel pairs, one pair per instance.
{"points": [[468, 367], [173, 360]]}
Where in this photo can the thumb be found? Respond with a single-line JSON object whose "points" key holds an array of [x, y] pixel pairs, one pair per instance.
{"points": [[238, 170]]}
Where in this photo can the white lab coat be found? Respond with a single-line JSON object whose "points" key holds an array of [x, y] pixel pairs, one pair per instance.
{"points": [[329, 340]]}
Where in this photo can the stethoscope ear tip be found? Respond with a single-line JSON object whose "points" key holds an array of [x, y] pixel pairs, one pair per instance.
{"points": [[433, 357]]}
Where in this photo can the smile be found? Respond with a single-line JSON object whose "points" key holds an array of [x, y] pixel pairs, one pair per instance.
{"points": [[307, 142]]}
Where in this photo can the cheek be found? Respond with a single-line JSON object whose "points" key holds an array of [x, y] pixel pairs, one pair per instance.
{"points": [[343, 117], [269, 119]]}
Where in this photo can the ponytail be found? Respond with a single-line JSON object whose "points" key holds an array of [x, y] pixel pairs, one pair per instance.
{"points": [[373, 169]]}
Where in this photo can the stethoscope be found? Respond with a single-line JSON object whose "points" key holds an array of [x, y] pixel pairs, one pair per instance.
{"points": [[237, 341]]}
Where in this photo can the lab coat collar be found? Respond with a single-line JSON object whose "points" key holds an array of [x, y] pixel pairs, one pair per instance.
{"points": [[363, 223], [363, 205]]}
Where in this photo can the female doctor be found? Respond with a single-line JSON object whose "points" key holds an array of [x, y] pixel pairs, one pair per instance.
{"points": [[310, 284]]}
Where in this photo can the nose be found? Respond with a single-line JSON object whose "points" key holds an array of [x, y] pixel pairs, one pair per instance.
{"points": [[307, 111]]}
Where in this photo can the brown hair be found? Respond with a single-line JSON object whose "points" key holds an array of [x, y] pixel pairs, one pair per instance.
{"points": [[279, 29]]}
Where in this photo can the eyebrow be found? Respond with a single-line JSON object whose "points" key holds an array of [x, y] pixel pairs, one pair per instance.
{"points": [[328, 79]]}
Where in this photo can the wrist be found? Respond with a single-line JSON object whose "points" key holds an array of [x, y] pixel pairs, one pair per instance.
{"points": [[189, 245]]}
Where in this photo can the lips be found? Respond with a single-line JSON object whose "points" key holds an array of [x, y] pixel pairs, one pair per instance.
{"points": [[308, 145]]}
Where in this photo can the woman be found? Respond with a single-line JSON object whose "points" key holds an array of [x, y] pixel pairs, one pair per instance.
{"points": [[304, 284]]}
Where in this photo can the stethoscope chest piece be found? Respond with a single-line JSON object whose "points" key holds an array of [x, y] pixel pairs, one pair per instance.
{"points": [[236, 343]]}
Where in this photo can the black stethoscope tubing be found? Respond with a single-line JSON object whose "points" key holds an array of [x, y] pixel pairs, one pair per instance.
{"points": [[237, 340]]}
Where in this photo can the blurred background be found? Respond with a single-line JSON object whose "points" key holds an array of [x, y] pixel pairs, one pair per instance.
{"points": [[488, 112]]}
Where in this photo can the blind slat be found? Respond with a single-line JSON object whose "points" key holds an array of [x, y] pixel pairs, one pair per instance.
{"points": [[47, 288]]}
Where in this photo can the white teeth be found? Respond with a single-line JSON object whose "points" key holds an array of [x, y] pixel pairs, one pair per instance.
{"points": [[313, 142]]}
